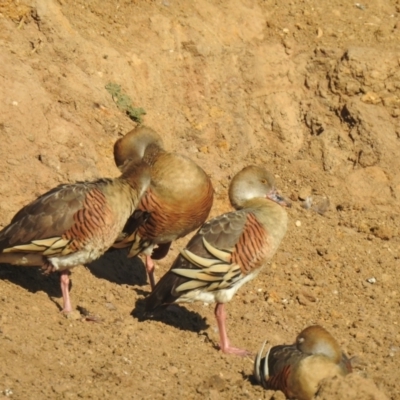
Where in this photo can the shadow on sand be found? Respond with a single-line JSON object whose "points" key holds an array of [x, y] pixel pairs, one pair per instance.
{"points": [[173, 315], [113, 266], [116, 267]]}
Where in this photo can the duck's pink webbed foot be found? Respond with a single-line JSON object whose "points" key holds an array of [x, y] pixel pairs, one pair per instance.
{"points": [[225, 346]]}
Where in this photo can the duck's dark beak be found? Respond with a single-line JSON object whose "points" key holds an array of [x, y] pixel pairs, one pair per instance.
{"points": [[283, 201]]}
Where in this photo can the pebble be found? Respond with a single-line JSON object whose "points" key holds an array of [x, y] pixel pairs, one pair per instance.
{"points": [[359, 335], [371, 98], [110, 306], [393, 350], [224, 145], [321, 205], [109, 297], [74, 315], [204, 149], [305, 192], [382, 232], [336, 315], [12, 161], [371, 280], [307, 203], [173, 370], [302, 300], [217, 382], [308, 296], [272, 297], [298, 223]]}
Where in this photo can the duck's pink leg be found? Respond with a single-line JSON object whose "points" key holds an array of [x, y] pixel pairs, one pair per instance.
{"points": [[150, 271], [224, 345], [64, 280]]}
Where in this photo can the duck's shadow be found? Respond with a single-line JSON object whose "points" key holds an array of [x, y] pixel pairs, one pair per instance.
{"points": [[31, 279], [174, 315], [113, 266]]}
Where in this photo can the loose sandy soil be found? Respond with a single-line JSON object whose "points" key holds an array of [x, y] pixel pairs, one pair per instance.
{"points": [[310, 90]]}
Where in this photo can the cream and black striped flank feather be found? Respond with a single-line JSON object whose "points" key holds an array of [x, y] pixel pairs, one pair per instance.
{"points": [[176, 203], [228, 250], [72, 224], [243, 251]]}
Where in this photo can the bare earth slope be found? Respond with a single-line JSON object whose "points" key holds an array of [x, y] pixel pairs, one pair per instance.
{"points": [[310, 90]]}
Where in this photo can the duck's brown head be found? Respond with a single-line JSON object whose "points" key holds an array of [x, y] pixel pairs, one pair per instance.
{"points": [[139, 144]]}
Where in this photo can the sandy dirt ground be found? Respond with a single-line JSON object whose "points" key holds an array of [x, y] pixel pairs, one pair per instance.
{"points": [[308, 89]]}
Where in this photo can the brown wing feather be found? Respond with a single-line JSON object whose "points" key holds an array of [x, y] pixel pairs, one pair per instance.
{"points": [[129, 232], [147, 224], [224, 232], [280, 363], [61, 211]]}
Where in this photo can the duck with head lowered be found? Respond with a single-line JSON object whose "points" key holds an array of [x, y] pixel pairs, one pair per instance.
{"points": [[177, 202], [73, 224], [297, 369]]}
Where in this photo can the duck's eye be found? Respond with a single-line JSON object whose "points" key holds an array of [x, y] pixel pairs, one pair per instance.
{"points": [[263, 181]]}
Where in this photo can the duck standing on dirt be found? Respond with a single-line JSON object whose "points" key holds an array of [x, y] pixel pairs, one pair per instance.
{"points": [[298, 369], [228, 250], [73, 224], [176, 203]]}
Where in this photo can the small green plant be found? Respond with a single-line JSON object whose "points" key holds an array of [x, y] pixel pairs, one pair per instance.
{"points": [[124, 103]]}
